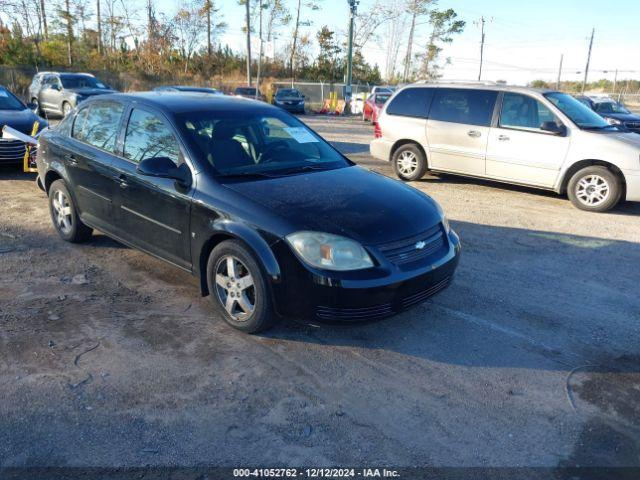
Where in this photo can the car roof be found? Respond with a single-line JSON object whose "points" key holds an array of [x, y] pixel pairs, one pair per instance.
{"points": [[175, 102], [482, 86]]}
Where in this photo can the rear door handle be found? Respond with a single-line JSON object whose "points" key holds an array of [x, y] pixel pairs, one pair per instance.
{"points": [[503, 137], [474, 133], [71, 159], [122, 180]]}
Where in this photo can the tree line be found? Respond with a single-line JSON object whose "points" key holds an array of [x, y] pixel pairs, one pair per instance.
{"points": [[133, 36]]}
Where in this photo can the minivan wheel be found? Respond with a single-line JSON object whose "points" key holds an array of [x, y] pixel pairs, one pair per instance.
{"points": [[238, 287], [409, 162], [65, 216], [66, 108], [595, 189]]}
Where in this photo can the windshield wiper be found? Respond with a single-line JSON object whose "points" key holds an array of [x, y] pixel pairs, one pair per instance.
{"points": [[247, 175]]}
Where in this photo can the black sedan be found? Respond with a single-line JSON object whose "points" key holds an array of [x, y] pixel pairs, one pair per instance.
{"points": [[289, 99], [15, 114], [270, 217]]}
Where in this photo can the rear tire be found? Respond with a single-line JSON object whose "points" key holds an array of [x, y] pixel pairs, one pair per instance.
{"points": [[238, 288], [409, 162], [64, 214], [594, 189]]}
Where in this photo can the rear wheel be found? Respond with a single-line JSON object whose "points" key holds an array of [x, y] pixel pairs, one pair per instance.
{"points": [[409, 162], [65, 215], [595, 189], [238, 287]]}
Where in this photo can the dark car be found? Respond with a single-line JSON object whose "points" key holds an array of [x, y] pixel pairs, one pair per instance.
{"points": [[15, 114], [59, 93], [249, 92], [290, 99], [613, 112], [270, 217], [183, 88]]}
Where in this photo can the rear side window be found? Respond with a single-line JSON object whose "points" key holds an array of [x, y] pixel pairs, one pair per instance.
{"points": [[101, 125], [147, 137], [79, 123], [466, 106], [411, 102]]}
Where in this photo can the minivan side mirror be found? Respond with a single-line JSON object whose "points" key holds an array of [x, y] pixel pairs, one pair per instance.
{"points": [[553, 127], [163, 167]]}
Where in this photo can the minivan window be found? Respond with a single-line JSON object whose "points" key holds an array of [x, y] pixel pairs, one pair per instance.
{"points": [[101, 125], [147, 137], [523, 111], [579, 114], [411, 102], [466, 106]]}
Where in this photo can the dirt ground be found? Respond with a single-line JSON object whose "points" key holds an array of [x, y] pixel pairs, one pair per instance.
{"points": [[109, 357]]}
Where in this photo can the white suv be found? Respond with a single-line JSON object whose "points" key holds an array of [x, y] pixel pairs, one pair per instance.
{"points": [[541, 138]]}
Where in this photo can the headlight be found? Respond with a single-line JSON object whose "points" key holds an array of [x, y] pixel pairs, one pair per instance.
{"points": [[613, 121], [329, 252]]}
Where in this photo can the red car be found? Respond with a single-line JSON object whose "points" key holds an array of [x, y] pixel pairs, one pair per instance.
{"points": [[373, 104]]}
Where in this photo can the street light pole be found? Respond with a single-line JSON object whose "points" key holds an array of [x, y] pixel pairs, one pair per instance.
{"points": [[353, 5]]}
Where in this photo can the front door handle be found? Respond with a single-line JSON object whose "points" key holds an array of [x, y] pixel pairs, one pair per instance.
{"points": [[503, 138], [122, 180], [71, 159], [474, 133]]}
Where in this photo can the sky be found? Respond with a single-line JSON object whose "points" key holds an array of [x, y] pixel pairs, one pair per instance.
{"points": [[523, 40]]}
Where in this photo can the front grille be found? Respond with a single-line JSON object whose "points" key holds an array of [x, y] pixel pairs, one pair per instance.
{"points": [[633, 125], [11, 151], [406, 251], [354, 314], [423, 295]]}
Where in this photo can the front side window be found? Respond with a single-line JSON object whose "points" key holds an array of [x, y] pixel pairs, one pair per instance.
{"points": [[465, 106], [262, 143], [522, 111], [147, 137], [411, 102], [100, 127], [582, 116]]}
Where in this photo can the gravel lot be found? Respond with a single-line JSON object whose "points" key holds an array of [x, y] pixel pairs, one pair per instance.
{"points": [[109, 357]]}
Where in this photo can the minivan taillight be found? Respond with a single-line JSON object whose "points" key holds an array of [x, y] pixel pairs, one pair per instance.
{"points": [[377, 131]]}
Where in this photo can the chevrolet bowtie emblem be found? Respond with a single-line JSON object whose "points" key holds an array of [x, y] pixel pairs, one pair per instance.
{"points": [[420, 245]]}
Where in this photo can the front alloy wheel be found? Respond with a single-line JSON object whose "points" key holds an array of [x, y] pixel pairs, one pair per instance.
{"points": [[238, 287], [409, 162], [66, 109], [595, 189]]}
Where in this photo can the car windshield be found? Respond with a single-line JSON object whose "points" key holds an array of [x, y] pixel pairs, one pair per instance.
{"points": [[580, 114], [266, 144], [382, 99], [245, 91], [81, 81], [8, 101], [288, 92], [610, 107]]}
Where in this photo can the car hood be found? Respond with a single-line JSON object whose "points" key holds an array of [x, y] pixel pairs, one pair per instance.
{"points": [[628, 138], [89, 92], [21, 120], [353, 202], [625, 117]]}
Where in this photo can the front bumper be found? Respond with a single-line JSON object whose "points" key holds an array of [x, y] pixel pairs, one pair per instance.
{"points": [[299, 108], [361, 295]]}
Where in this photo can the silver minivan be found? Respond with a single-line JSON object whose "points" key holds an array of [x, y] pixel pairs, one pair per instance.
{"points": [[540, 138]]}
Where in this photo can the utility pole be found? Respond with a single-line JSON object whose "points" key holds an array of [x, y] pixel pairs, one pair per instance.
{"points": [[482, 22], [259, 50], [99, 21], [559, 72], [248, 20], [615, 81], [353, 5], [586, 69]]}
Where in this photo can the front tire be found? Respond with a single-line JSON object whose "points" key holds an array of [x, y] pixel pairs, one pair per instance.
{"points": [[65, 215], [594, 189], [238, 287], [66, 108], [409, 162]]}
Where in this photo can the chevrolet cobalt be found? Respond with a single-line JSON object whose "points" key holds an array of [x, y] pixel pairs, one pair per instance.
{"points": [[270, 217]]}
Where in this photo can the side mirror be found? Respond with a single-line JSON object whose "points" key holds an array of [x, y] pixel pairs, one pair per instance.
{"points": [[163, 167], [553, 127]]}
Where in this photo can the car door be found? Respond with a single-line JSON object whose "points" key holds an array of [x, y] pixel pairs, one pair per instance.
{"points": [[153, 213], [458, 129], [519, 150], [51, 94], [88, 160]]}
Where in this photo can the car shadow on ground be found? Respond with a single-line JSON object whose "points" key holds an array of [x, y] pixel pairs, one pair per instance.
{"points": [[15, 174]]}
